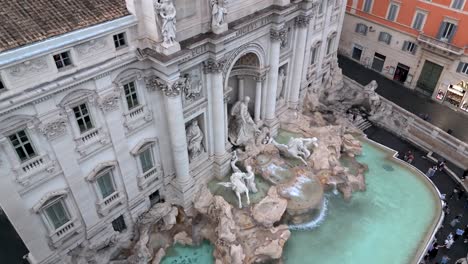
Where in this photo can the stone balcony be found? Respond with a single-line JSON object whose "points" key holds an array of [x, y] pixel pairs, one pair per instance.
{"points": [[58, 236], [107, 204], [441, 47], [26, 172], [152, 175]]}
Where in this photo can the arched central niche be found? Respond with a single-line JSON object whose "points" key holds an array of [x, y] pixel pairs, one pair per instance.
{"points": [[242, 80]]}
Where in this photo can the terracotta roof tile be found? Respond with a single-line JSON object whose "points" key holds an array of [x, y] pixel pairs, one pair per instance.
{"points": [[26, 21]]}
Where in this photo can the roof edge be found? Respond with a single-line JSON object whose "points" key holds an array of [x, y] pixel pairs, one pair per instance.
{"points": [[32, 50]]}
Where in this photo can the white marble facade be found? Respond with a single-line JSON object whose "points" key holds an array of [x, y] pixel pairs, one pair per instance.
{"points": [[106, 136]]}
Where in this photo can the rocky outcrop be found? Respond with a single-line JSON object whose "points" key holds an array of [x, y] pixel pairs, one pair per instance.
{"points": [[351, 146], [270, 209]]}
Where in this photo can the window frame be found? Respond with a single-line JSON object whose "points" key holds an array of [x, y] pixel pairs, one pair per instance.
{"points": [[315, 52], [105, 172], [361, 29], [89, 114], [62, 201], [423, 21], [330, 43], [370, 6], [63, 67], [397, 11], [135, 92], [407, 44], [448, 30], [462, 68], [462, 5], [15, 133], [382, 39], [117, 40], [150, 149]]}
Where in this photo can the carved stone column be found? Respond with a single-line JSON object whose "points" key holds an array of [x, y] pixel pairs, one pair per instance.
{"points": [[174, 110], [301, 24], [258, 97], [240, 86], [277, 37], [214, 71]]}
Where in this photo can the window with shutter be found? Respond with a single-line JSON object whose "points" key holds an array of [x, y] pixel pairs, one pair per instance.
{"points": [[367, 6], [361, 29], [418, 20], [385, 37], [447, 31], [392, 12], [457, 4], [462, 68]]}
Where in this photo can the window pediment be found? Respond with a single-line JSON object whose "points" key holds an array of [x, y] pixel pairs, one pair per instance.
{"points": [[100, 168], [78, 95], [142, 145], [128, 75], [15, 121], [48, 197]]}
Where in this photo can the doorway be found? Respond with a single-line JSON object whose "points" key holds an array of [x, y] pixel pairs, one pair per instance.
{"points": [[429, 76], [401, 73], [378, 62], [357, 52]]}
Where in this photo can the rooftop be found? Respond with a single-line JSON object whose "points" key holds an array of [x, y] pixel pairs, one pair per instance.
{"points": [[24, 22]]}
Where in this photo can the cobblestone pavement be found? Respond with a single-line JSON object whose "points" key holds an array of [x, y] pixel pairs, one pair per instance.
{"points": [[444, 183], [440, 115]]}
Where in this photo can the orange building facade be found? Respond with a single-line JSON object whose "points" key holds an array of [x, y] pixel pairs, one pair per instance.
{"points": [[420, 43]]}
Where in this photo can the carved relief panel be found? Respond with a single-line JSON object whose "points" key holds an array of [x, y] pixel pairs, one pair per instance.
{"points": [[192, 86]]}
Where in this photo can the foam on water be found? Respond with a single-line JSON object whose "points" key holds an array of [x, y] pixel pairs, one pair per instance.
{"points": [[296, 189]]}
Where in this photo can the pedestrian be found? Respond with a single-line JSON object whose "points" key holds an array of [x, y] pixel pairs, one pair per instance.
{"points": [[433, 252], [446, 209], [449, 241], [458, 233], [444, 259], [431, 171], [454, 192], [441, 165], [464, 175], [455, 221]]}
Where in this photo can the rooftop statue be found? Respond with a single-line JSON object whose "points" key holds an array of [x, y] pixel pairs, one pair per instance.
{"points": [[167, 11]]}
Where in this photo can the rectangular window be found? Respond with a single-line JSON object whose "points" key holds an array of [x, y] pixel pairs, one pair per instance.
{"points": [[419, 20], [457, 4], [392, 12], [119, 224], [56, 214], [106, 184], [447, 31], [62, 60], [361, 29], [119, 40], [313, 55], [2, 86], [330, 43], [367, 6], [410, 47], [22, 144], [131, 95], [146, 160], [385, 37], [83, 118], [462, 67]]}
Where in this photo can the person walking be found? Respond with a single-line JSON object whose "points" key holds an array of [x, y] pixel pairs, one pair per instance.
{"points": [[449, 241], [431, 171], [445, 259], [455, 221], [455, 191], [433, 252], [441, 165]]}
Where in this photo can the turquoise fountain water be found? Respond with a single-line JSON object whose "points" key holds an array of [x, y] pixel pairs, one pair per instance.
{"points": [[387, 224]]}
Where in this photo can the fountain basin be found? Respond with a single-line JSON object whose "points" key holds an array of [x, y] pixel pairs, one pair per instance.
{"points": [[391, 222]]}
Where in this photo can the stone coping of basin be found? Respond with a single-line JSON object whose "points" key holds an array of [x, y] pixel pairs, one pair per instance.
{"points": [[429, 236]]}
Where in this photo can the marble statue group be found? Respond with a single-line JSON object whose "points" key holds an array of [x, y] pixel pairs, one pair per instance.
{"points": [[241, 182], [242, 127], [297, 147]]}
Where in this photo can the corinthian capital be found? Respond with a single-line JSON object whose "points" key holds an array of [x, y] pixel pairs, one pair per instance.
{"points": [[212, 66], [154, 83], [278, 34], [174, 89], [302, 21]]}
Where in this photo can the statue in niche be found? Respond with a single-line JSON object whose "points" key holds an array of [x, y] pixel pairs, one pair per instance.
{"points": [[218, 12], [281, 81], [242, 127], [191, 91], [167, 11], [194, 140]]}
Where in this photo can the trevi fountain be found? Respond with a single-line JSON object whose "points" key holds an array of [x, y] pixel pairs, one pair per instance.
{"points": [[316, 192]]}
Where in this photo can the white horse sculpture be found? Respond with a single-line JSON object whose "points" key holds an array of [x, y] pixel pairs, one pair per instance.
{"points": [[238, 181], [297, 147]]}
